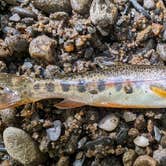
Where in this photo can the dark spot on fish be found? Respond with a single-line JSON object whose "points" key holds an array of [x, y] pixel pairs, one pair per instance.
{"points": [[65, 86], [110, 93], [128, 89], [36, 86], [81, 86], [50, 87], [94, 91], [101, 85]]}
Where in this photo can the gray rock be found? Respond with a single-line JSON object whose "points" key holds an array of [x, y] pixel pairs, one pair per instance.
{"points": [[20, 146], [8, 116], [51, 6], [129, 157], [160, 156], [157, 134], [43, 48], [103, 14], [129, 116], [81, 6], [15, 18], [149, 4], [141, 141], [54, 133], [109, 122], [161, 49]]}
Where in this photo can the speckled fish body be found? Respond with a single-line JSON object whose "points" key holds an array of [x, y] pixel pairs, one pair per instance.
{"points": [[124, 86]]}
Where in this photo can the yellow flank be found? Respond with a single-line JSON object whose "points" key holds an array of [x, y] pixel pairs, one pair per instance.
{"points": [[158, 91]]}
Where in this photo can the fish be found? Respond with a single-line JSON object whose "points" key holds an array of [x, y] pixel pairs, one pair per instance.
{"points": [[119, 86]]}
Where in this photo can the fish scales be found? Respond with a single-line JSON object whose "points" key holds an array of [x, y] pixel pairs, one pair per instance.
{"points": [[123, 86]]}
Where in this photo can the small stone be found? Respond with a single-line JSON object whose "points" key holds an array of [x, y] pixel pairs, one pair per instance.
{"points": [[163, 141], [160, 156], [54, 132], [149, 4], [161, 49], [21, 147], [109, 122], [129, 116], [156, 29], [15, 18], [133, 132], [129, 157], [64, 160], [141, 141], [8, 116], [52, 6], [140, 122], [145, 160], [103, 14], [4, 50], [43, 48], [157, 134], [69, 47], [59, 16], [81, 6]]}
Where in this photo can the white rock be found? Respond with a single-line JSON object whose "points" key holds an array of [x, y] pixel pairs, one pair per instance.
{"points": [[129, 116], [109, 122], [141, 141]]}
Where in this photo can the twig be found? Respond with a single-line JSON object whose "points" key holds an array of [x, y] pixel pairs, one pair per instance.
{"points": [[140, 9]]}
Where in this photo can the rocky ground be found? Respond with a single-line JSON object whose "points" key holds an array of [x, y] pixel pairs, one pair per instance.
{"points": [[43, 38]]}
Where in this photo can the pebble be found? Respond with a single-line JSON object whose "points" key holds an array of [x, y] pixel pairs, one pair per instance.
{"points": [[157, 134], [53, 5], [141, 141], [103, 14], [129, 116], [11, 2], [163, 141], [4, 51], [129, 157], [8, 116], [145, 160], [161, 49], [109, 122], [140, 122], [23, 12], [54, 133], [160, 156], [43, 48], [20, 146], [15, 18], [149, 4], [81, 6]]}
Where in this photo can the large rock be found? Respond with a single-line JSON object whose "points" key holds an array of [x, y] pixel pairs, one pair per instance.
{"points": [[20, 146], [43, 48], [51, 6]]}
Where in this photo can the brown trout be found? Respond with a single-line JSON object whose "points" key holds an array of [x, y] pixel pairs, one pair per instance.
{"points": [[124, 86]]}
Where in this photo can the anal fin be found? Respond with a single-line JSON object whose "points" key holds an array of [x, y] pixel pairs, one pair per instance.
{"points": [[158, 91], [68, 104]]}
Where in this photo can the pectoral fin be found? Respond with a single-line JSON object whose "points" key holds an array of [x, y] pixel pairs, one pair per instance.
{"points": [[67, 104], [158, 91]]}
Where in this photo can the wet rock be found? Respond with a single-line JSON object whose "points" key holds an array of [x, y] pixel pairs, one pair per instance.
{"points": [[53, 5], [81, 6], [109, 122], [8, 116], [149, 4], [43, 48], [129, 116], [161, 49], [20, 146], [15, 18], [103, 14], [129, 157], [23, 12], [145, 160], [160, 156], [54, 132], [141, 141]]}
